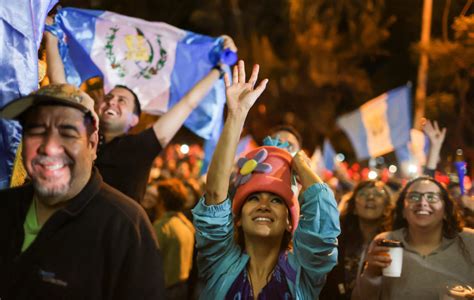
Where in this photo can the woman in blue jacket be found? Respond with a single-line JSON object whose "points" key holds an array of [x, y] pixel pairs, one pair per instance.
{"points": [[259, 245]]}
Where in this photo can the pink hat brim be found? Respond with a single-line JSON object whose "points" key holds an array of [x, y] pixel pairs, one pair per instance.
{"points": [[264, 183]]}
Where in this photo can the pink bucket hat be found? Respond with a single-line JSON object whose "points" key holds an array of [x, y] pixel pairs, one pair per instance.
{"points": [[266, 169]]}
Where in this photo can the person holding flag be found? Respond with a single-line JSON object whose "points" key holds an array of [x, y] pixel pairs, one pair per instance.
{"points": [[119, 111]]}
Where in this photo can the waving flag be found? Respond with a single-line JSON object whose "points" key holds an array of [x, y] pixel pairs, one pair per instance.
{"points": [[329, 154], [159, 62], [414, 153], [246, 144], [380, 125], [416, 150], [21, 29]]}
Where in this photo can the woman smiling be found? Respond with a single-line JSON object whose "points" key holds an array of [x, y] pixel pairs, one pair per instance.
{"points": [[438, 250], [265, 214]]}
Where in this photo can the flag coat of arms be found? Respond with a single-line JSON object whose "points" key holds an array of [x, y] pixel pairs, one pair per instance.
{"points": [[159, 62], [380, 125]]}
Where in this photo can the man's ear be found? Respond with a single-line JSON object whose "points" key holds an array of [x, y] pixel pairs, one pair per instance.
{"points": [[94, 142], [134, 121]]}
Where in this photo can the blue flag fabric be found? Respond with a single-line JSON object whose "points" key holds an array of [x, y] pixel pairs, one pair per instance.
{"points": [[403, 154], [416, 150], [381, 125], [328, 155], [159, 62], [21, 29]]}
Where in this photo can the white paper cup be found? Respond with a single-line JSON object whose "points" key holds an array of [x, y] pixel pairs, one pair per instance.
{"points": [[395, 268]]}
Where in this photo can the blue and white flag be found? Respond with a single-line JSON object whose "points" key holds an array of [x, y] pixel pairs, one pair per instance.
{"points": [[246, 144], [317, 162], [21, 31], [159, 62], [415, 152], [329, 155], [380, 125]]}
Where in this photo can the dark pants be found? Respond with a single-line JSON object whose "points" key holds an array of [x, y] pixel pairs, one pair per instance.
{"points": [[178, 291]]}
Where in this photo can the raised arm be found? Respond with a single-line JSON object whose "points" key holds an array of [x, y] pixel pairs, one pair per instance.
{"points": [[167, 126], [55, 69], [241, 96], [302, 166], [315, 240], [436, 136]]}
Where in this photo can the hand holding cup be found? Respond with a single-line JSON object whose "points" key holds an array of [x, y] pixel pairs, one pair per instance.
{"points": [[386, 257]]}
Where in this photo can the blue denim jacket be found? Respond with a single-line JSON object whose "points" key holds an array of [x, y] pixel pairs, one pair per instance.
{"points": [[220, 260]]}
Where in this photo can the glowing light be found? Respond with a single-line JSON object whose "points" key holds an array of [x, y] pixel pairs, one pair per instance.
{"points": [[184, 149], [392, 169], [412, 168], [340, 157], [372, 175]]}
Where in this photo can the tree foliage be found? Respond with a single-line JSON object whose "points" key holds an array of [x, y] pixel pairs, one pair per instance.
{"points": [[452, 80]]}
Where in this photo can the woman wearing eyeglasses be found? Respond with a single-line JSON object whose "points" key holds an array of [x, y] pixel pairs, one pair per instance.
{"points": [[363, 216], [438, 252]]}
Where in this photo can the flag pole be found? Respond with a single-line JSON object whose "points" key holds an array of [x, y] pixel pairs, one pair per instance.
{"points": [[420, 95]]}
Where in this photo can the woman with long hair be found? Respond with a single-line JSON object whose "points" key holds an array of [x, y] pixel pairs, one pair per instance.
{"points": [[438, 251], [364, 215], [265, 213]]}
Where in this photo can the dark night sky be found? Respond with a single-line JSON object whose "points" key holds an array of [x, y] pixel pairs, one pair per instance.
{"points": [[269, 17]]}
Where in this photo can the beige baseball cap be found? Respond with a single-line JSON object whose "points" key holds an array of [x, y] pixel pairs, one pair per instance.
{"points": [[54, 94]]}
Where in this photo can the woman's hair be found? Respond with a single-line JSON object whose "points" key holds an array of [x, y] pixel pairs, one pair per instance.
{"points": [[351, 233], [452, 223]]}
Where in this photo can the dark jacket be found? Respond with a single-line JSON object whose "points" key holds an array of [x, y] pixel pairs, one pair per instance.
{"points": [[100, 246]]}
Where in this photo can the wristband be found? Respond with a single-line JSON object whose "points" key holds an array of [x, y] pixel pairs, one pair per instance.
{"points": [[220, 69]]}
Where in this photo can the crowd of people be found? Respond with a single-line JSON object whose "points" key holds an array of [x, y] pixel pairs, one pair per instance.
{"points": [[110, 215]]}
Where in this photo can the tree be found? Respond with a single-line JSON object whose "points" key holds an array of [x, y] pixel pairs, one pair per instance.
{"points": [[452, 78]]}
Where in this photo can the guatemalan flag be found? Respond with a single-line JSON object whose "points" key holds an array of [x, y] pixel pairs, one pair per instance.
{"points": [[380, 125], [21, 31], [159, 62]]}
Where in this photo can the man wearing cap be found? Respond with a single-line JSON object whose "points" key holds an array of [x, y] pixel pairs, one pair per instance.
{"points": [[67, 234], [125, 160]]}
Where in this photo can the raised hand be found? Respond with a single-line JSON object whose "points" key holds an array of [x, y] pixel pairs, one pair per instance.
{"points": [[241, 95], [228, 43], [434, 133], [300, 162]]}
